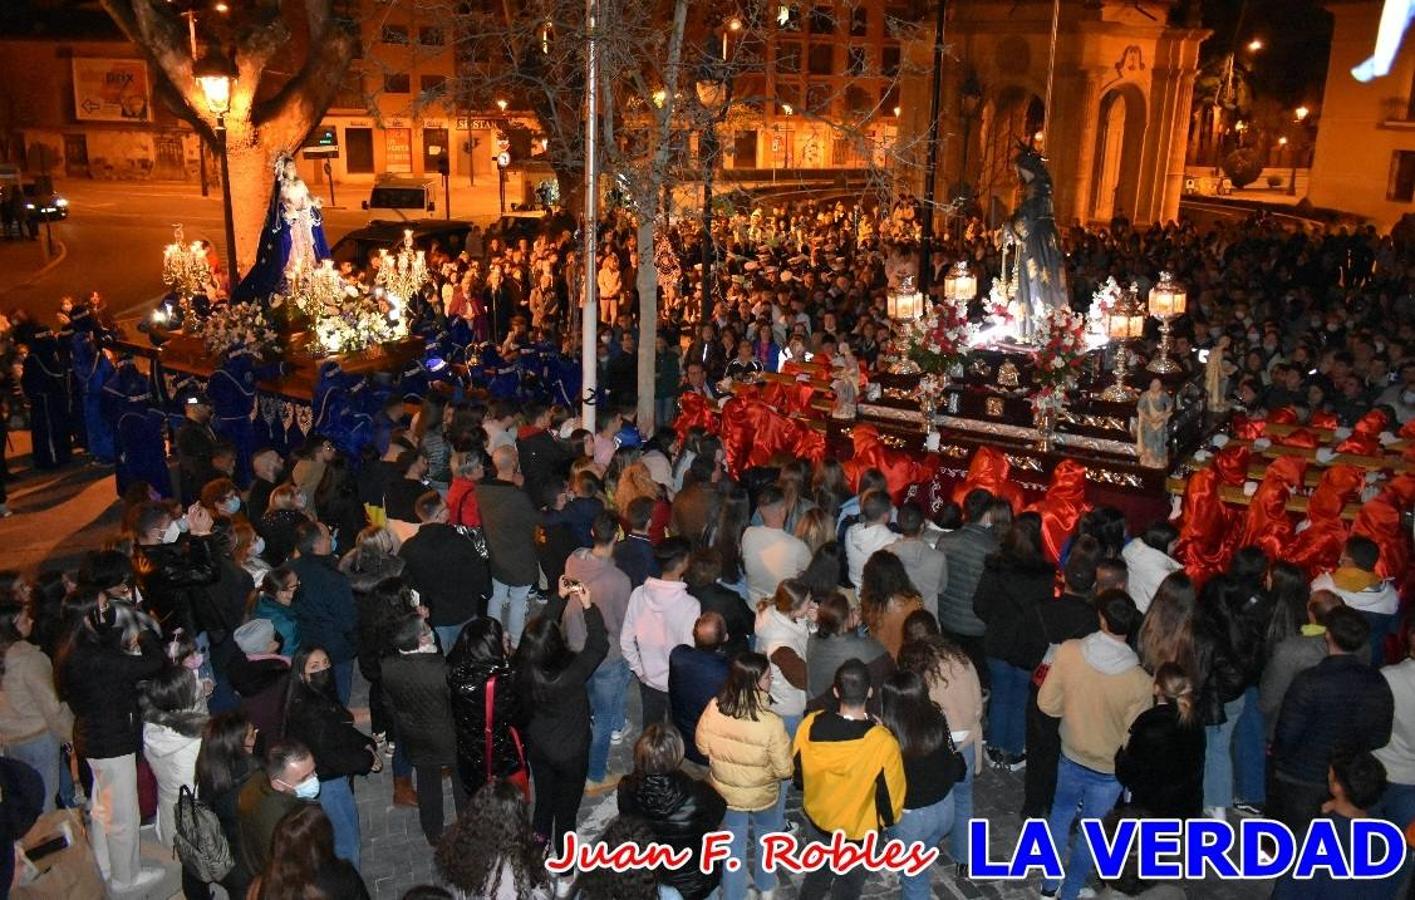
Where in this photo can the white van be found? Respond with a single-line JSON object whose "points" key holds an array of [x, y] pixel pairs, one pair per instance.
{"points": [[409, 196]]}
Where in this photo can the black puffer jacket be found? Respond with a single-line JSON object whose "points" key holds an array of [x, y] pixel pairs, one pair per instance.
{"points": [[467, 681], [1221, 673], [1008, 600], [415, 685], [100, 683], [327, 728], [174, 578], [1162, 764], [679, 810], [558, 713], [278, 528]]}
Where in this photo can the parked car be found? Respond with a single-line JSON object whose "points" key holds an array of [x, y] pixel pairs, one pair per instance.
{"points": [[361, 244], [407, 197], [50, 204]]}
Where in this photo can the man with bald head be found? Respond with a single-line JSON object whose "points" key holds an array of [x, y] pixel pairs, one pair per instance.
{"points": [[509, 520], [695, 675]]}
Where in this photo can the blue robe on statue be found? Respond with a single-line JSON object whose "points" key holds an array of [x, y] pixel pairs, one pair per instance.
{"points": [[267, 276]]}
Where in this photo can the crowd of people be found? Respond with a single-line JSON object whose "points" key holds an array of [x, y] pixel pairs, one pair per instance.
{"points": [[503, 581]]}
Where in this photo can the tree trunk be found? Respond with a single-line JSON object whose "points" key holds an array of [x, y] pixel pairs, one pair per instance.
{"points": [[252, 178], [648, 326]]}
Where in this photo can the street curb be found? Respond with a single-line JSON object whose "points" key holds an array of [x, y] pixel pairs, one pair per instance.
{"points": [[40, 272]]}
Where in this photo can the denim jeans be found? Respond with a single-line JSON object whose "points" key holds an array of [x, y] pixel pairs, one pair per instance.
{"points": [[962, 806], [40, 753], [508, 603], [1218, 757], [402, 766], [609, 686], [1007, 707], [336, 797], [823, 882], [927, 825], [1381, 624], [1250, 750], [763, 822], [791, 723], [447, 635], [1083, 793]]}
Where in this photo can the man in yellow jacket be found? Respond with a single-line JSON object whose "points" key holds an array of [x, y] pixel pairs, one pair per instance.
{"points": [[852, 775]]}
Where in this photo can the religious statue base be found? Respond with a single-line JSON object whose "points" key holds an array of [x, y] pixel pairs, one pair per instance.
{"points": [[188, 354]]}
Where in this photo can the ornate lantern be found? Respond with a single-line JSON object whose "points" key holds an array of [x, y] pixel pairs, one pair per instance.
{"points": [[905, 302], [1167, 303], [960, 284], [1125, 322]]}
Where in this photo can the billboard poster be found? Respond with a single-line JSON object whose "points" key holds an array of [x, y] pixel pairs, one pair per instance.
{"points": [[111, 90]]}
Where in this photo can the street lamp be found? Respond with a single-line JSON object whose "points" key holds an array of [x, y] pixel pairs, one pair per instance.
{"points": [[1300, 114], [216, 73], [501, 105], [1255, 45], [714, 89], [733, 24]]}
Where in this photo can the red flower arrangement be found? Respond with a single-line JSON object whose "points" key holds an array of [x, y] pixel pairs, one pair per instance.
{"points": [[1063, 353]]}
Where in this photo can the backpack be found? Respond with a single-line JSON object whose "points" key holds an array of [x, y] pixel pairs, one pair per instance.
{"points": [[199, 842]]}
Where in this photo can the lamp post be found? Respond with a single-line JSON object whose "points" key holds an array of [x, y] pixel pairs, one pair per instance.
{"points": [[1300, 115], [216, 73], [713, 88]]}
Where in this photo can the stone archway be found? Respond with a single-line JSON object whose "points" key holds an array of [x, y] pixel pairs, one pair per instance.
{"points": [[1015, 116], [1119, 147]]}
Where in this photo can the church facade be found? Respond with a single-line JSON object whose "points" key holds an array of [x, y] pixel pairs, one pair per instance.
{"points": [[1121, 93]]}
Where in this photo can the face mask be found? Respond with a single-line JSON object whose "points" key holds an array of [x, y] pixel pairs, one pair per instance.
{"points": [[173, 532], [309, 788], [182, 524], [194, 660], [258, 547], [231, 506], [322, 681]]}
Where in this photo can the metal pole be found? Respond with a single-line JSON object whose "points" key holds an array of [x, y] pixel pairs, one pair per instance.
{"points": [[447, 192], [232, 274], [710, 136], [1051, 73], [589, 327], [931, 170], [501, 186]]}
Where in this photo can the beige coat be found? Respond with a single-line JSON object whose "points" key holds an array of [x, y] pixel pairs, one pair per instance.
{"points": [[747, 760], [28, 705], [960, 696]]}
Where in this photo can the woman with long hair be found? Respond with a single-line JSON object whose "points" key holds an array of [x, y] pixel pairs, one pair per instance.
{"points": [[307, 865], [551, 680], [33, 721], [783, 635], [111, 651], [1015, 582], [1288, 592], [375, 572], [476, 667], [887, 597], [1228, 658], [635, 482], [432, 441], [749, 756], [953, 685], [47, 610], [836, 639], [679, 809], [794, 481], [604, 883], [174, 714], [829, 487], [931, 768], [490, 852], [816, 528], [1162, 762], [1167, 633], [725, 536], [315, 717], [246, 549], [224, 762]]}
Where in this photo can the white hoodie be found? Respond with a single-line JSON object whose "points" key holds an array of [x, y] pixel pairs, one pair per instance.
{"points": [[861, 542], [1145, 567], [1380, 598], [660, 617]]}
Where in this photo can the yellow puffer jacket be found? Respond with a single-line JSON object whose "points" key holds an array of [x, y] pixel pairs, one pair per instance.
{"points": [[747, 760]]}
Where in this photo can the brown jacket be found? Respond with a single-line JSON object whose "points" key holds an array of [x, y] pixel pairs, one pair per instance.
{"points": [[887, 626]]}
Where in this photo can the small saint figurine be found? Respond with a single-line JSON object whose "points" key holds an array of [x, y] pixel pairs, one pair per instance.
{"points": [[1152, 413], [846, 385], [1217, 371]]}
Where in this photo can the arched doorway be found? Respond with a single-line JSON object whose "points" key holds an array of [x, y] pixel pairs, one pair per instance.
{"points": [[1118, 146], [1016, 116]]}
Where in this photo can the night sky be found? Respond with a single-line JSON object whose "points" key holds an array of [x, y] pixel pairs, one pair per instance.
{"points": [[1297, 37]]}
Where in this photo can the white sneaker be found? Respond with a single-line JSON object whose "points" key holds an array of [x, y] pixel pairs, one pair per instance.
{"points": [[1216, 812], [146, 878]]}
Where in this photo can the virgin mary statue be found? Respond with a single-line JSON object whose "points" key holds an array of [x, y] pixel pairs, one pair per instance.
{"points": [[292, 236]]}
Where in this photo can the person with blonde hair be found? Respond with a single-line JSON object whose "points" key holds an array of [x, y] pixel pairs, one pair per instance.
{"points": [[284, 514], [815, 528], [1162, 762]]}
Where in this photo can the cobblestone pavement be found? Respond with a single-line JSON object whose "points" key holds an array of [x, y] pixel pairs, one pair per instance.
{"points": [[396, 856]]}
